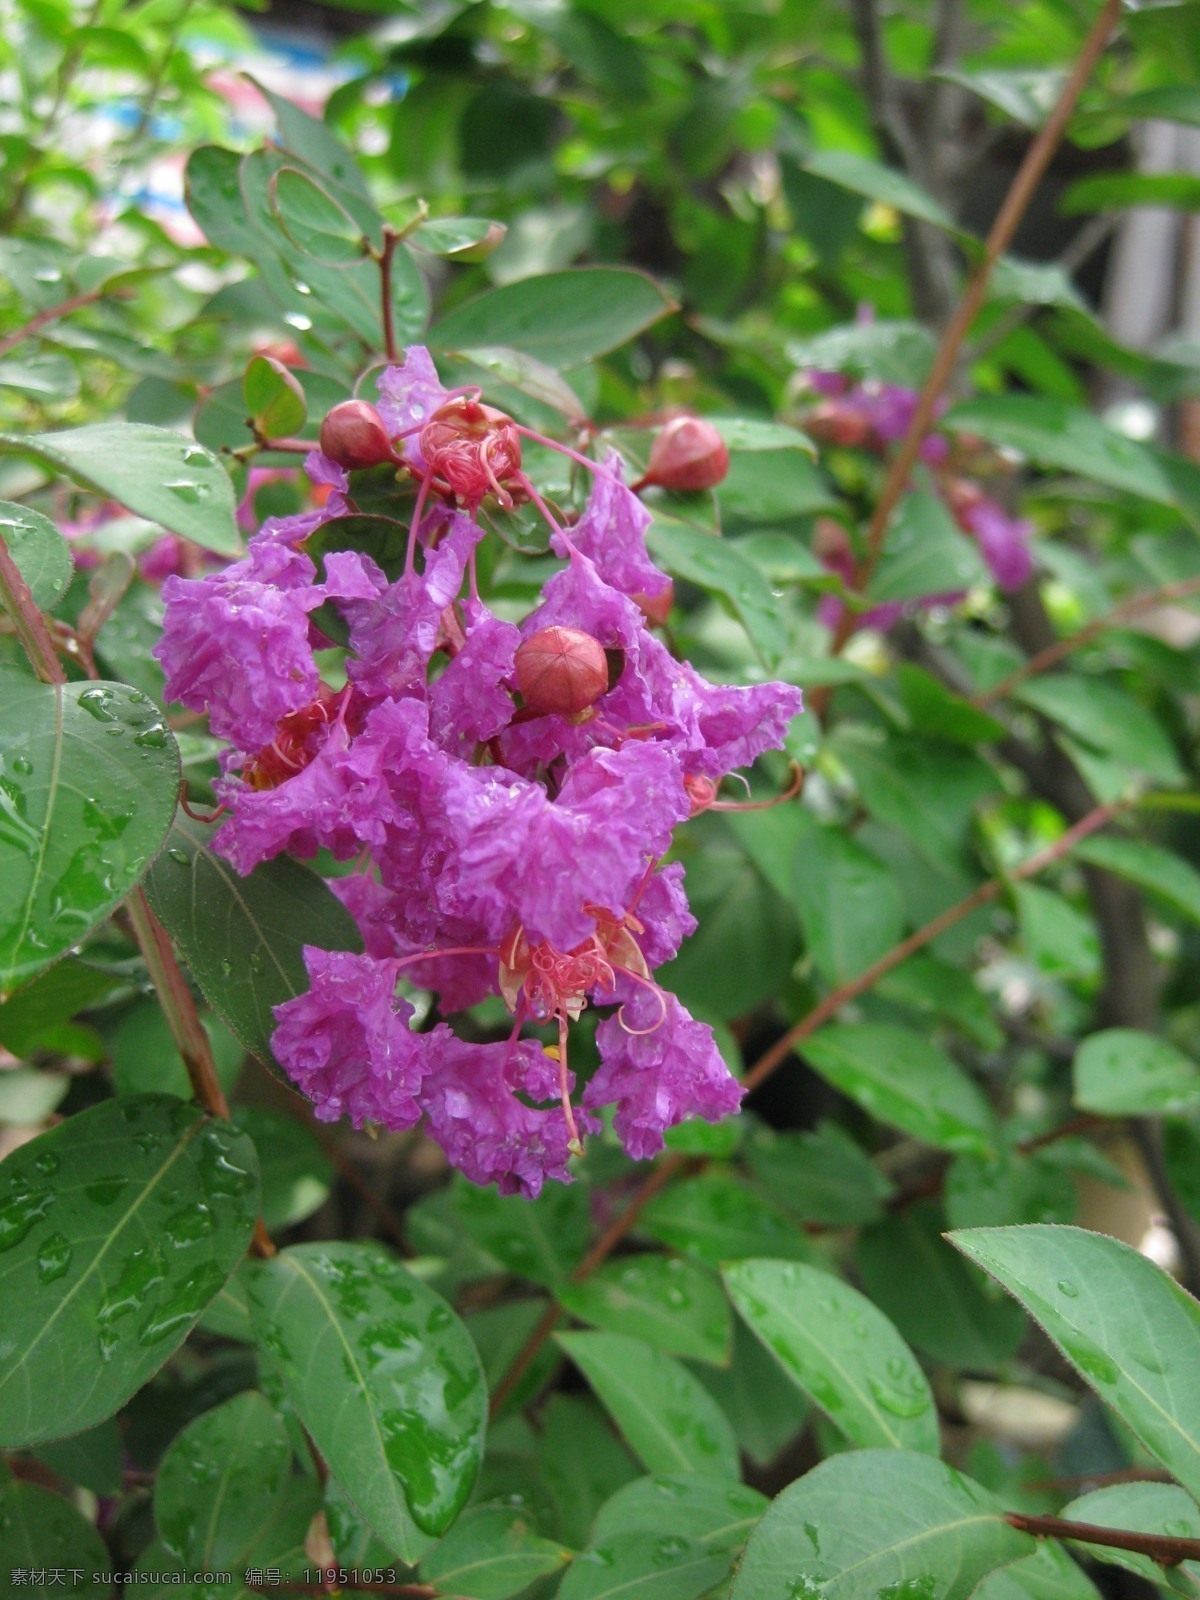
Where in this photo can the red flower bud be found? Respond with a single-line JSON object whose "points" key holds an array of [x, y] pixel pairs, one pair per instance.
{"points": [[834, 422], [354, 435], [561, 670], [689, 453]]}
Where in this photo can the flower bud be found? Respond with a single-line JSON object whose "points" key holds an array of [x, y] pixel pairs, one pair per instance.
{"points": [[354, 435], [689, 453], [561, 670]]}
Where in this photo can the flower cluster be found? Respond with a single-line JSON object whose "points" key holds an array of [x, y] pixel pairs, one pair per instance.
{"points": [[507, 791], [874, 416]]}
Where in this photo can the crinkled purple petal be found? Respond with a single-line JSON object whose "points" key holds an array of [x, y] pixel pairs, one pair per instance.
{"points": [[663, 912], [660, 1077], [473, 1112], [236, 643], [408, 397], [347, 1044], [612, 534], [470, 701], [394, 635]]}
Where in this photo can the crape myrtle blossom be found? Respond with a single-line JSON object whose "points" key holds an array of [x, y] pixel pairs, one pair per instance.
{"points": [[500, 847]]}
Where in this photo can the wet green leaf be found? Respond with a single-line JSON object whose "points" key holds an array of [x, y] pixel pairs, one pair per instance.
{"points": [[385, 1378], [716, 1217], [840, 1349], [313, 220], [42, 555], [490, 1553], [656, 1566], [926, 553], [538, 1239], [670, 1422], [903, 1078], [118, 1227], [1142, 1508], [243, 938], [849, 904], [1121, 1072], [1166, 875], [893, 1524], [41, 1532], [89, 785], [162, 476], [562, 318], [1125, 1326], [674, 1304], [225, 1497], [719, 567]]}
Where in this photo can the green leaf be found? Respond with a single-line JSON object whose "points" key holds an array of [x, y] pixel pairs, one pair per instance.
{"points": [[1142, 1508], [89, 785], [718, 1515], [1123, 1324], [891, 1523], [939, 714], [646, 1565], [1106, 718], [491, 1553], [580, 1459], [44, 1532], [243, 938], [766, 1408], [1166, 875], [159, 475], [274, 398], [669, 1420], [55, 997], [1121, 1072], [674, 1304], [107, 1267], [1071, 439], [1108, 191], [296, 1173], [849, 904], [538, 1239], [42, 555], [1059, 938], [562, 318], [225, 1485], [460, 238], [905, 1080], [718, 567], [877, 182], [716, 1217], [927, 791], [823, 1176], [92, 1459], [314, 221], [888, 350], [936, 1301], [314, 142], [925, 553], [385, 1378], [1050, 1574], [840, 1349]]}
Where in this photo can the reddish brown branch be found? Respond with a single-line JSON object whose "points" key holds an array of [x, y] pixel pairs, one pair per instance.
{"points": [[1016, 201], [1166, 1549], [52, 314], [31, 626], [1054, 653]]}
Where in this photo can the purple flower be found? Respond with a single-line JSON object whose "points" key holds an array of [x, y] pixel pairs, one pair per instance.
{"points": [[470, 703], [612, 534], [236, 643], [347, 1044], [659, 1066], [471, 1102], [1003, 542]]}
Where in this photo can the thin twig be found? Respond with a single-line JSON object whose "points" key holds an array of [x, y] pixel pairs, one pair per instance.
{"points": [[1089, 238], [1016, 201], [29, 623], [675, 1165], [1053, 654], [1167, 1550], [390, 240], [52, 314]]}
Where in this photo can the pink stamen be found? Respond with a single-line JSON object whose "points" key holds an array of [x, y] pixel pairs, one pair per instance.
{"points": [[563, 450], [545, 512], [410, 559], [646, 983], [575, 1143]]}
